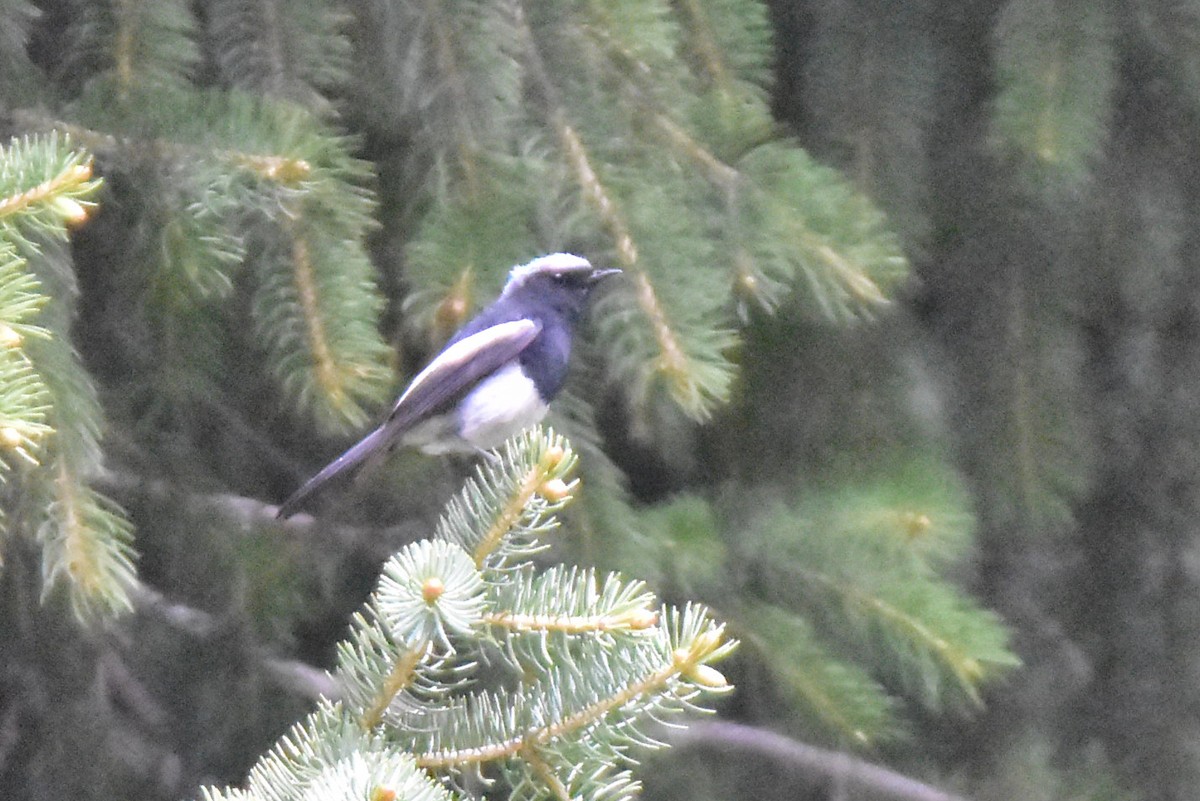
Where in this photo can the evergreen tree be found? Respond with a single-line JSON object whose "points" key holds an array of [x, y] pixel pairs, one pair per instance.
{"points": [[590, 661], [1056, 285], [775, 415]]}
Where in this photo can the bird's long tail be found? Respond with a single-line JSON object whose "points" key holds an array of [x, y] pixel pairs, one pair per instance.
{"points": [[360, 451]]}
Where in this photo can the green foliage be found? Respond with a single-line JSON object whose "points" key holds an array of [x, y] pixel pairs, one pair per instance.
{"points": [[299, 56], [870, 86], [729, 46], [267, 185], [483, 232], [24, 397], [586, 661], [86, 545], [1056, 72], [42, 183], [52, 420], [685, 544], [839, 593], [86, 538], [1026, 387], [659, 325], [129, 44], [822, 230], [839, 696], [859, 561], [315, 306], [450, 76]]}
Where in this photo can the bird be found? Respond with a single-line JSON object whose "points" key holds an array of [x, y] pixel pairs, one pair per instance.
{"points": [[495, 376]]}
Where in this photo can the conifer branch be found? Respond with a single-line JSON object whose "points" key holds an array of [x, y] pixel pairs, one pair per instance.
{"points": [[334, 370], [1055, 65], [729, 46], [827, 707], [473, 516], [571, 600], [96, 142], [728, 179], [20, 298], [966, 669], [87, 540], [398, 680], [713, 168], [537, 481], [672, 361], [305, 204], [633, 620], [119, 47], [855, 279], [24, 404], [733, 182], [682, 663], [306, 291], [635, 72], [511, 512], [840, 696], [76, 544], [466, 144], [51, 403], [864, 559], [722, 175], [294, 52], [25, 400], [544, 772], [73, 179], [554, 725], [283, 170], [790, 211], [704, 43], [594, 191]]}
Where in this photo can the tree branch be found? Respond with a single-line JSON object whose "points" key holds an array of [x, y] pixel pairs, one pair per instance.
{"points": [[292, 675], [249, 515], [857, 778]]}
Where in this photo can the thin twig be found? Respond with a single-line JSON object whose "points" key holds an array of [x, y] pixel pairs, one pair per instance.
{"points": [[250, 515], [858, 778], [299, 678]]}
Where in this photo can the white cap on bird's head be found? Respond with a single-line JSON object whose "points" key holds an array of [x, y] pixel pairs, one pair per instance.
{"points": [[556, 264]]}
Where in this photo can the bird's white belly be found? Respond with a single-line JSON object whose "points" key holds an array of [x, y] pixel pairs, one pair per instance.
{"points": [[499, 407]]}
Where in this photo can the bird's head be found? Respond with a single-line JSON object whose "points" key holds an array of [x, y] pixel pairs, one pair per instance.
{"points": [[562, 280]]}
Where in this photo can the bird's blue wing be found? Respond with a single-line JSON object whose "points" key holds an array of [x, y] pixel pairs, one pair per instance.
{"points": [[457, 370], [451, 375]]}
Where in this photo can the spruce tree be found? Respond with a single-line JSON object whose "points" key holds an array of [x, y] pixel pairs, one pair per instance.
{"points": [[298, 208]]}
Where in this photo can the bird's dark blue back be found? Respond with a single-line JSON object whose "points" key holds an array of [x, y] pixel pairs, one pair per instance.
{"points": [[546, 359]]}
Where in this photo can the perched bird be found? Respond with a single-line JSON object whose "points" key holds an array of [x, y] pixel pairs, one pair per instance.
{"points": [[495, 377]]}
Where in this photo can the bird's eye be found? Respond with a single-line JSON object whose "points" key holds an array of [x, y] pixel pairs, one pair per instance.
{"points": [[559, 278]]}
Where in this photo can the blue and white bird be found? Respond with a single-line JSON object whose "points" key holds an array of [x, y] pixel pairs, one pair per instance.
{"points": [[495, 377]]}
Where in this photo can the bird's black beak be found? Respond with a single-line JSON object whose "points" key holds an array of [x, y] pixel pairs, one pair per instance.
{"points": [[599, 275]]}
